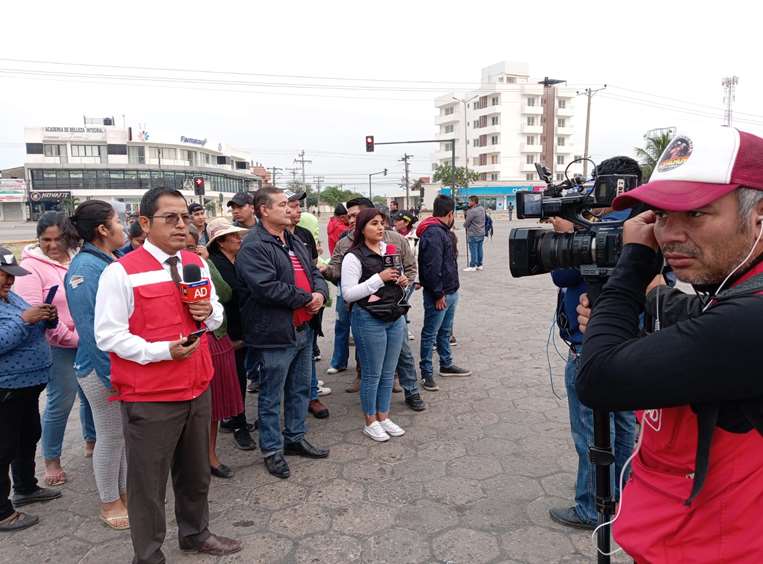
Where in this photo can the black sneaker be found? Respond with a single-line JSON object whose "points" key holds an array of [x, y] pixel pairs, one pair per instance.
{"points": [[568, 517], [454, 370], [429, 384], [227, 426], [243, 440], [38, 495], [415, 402]]}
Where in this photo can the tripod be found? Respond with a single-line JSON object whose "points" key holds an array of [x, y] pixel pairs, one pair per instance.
{"points": [[601, 454]]}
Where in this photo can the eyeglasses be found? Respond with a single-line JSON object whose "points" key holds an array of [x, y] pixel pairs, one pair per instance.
{"points": [[174, 218]]}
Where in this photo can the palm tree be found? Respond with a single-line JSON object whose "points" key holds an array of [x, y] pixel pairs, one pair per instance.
{"points": [[650, 153]]}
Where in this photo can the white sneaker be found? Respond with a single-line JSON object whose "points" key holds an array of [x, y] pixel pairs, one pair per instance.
{"points": [[321, 382], [333, 370], [323, 390], [376, 432], [480, 268], [470, 269], [392, 429], [411, 336]]}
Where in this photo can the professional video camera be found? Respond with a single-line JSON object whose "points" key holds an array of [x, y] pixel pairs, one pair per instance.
{"points": [[594, 247]]}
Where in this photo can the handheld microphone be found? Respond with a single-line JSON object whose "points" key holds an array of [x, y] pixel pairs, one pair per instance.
{"points": [[392, 259], [193, 288]]}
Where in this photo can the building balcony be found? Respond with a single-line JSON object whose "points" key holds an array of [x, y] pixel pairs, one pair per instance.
{"points": [[487, 130], [565, 112], [449, 135], [537, 129], [532, 110], [537, 148], [527, 167], [442, 119], [565, 130]]}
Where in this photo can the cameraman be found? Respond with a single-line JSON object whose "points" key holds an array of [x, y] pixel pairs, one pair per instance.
{"points": [[696, 490], [571, 286]]}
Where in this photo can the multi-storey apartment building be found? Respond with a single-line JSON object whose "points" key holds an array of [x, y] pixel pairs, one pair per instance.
{"points": [[504, 132]]}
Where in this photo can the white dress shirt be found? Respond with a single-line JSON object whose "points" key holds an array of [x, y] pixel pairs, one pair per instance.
{"points": [[352, 289], [115, 303]]}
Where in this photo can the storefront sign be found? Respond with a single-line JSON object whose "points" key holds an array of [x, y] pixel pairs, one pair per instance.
{"points": [[74, 133], [12, 190], [40, 196], [193, 141]]}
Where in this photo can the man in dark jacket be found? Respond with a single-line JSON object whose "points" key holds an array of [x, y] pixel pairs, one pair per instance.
{"points": [[438, 274], [283, 292]]}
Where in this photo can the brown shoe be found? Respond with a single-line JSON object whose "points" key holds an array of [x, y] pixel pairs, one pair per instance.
{"points": [[214, 545], [353, 388], [318, 410], [396, 386]]}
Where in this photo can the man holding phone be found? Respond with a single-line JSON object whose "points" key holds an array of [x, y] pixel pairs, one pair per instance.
{"points": [[160, 370]]}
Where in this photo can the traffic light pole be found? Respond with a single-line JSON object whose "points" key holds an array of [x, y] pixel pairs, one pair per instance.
{"points": [[384, 172], [452, 154]]}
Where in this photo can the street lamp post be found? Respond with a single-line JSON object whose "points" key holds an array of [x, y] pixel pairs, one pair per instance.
{"points": [[384, 172], [465, 101]]}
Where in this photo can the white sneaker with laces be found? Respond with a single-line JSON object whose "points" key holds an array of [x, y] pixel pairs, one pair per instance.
{"points": [[376, 432], [480, 268], [392, 429], [470, 269], [321, 382], [324, 390], [333, 370]]}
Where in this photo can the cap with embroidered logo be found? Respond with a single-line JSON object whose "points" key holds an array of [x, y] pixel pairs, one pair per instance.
{"points": [[699, 167], [9, 265]]}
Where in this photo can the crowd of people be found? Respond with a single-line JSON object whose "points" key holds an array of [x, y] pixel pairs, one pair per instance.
{"points": [[161, 326]]}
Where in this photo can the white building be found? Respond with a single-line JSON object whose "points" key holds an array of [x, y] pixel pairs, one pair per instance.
{"points": [[107, 162], [504, 126]]}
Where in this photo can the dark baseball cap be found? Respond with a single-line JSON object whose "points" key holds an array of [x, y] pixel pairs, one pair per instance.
{"points": [[241, 199], [295, 196], [194, 207], [9, 265]]}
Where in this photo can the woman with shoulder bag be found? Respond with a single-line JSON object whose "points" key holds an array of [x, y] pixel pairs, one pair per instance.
{"points": [[375, 293]]}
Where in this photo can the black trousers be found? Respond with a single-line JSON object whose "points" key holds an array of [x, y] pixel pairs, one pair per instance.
{"points": [[164, 437], [239, 420], [20, 432]]}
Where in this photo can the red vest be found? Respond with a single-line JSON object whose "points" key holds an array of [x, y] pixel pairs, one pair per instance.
{"points": [[723, 523], [159, 315]]}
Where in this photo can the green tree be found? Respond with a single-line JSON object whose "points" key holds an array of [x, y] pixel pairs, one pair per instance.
{"points": [[444, 173], [379, 200], [649, 154], [333, 195], [312, 199]]}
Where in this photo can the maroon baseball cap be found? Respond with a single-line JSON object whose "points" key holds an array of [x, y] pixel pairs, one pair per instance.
{"points": [[699, 167]]}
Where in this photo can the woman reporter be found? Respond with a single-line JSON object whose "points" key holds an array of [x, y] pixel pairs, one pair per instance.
{"points": [[374, 294]]}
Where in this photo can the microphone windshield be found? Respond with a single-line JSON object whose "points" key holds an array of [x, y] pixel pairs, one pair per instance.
{"points": [[191, 273]]}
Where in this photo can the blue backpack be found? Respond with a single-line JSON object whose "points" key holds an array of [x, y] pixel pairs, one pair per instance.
{"points": [[488, 225]]}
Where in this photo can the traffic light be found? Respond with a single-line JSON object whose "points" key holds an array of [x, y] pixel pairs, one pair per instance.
{"points": [[369, 143], [198, 185]]}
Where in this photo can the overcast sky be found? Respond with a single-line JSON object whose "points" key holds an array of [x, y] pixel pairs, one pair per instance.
{"points": [[663, 63]]}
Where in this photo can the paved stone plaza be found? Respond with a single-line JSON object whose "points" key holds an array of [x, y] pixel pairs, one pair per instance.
{"points": [[470, 482]]}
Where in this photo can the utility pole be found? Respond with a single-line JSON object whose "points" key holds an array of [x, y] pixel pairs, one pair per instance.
{"points": [[549, 123], [293, 172], [405, 158], [588, 92], [729, 85], [274, 169], [318, 180], [302, 161]]}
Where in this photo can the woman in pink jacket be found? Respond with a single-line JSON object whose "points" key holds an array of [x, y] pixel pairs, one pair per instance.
{"points": [[48, 261]]}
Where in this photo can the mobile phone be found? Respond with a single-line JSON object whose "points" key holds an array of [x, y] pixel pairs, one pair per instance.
{"points": [[51, 294], [193, 337]]}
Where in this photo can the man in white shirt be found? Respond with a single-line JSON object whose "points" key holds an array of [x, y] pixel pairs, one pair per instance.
{"points": [[160, 372]]}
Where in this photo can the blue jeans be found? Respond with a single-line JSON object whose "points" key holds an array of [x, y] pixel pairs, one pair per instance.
{"points": [[378, 344], [622, 428], [314, 384], [61, 391], [284, 371], [438, 326], [406, 369], [341, 334], [475, 250]]}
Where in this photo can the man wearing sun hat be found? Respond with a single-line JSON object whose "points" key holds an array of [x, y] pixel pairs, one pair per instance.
{"points": [[696, 490]]}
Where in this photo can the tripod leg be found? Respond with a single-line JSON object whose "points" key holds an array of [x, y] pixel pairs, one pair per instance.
{"points": [[603, 457]]}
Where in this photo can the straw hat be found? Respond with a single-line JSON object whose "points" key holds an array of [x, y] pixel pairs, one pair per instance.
{"points": [[220, 226]]}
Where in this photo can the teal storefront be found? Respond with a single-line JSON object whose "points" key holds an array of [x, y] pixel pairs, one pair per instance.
{"points": [[493, 197]]}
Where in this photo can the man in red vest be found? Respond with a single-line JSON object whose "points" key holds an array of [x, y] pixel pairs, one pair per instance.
{"points": [[161, 379], [696, 490]]}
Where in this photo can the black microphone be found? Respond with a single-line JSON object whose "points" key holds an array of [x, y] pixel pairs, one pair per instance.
{"points": [[392, 259]]}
